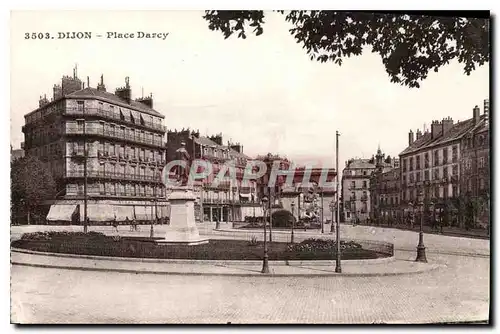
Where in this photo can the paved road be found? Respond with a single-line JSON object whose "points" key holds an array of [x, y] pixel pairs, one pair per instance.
{"points": [[459, 292]]}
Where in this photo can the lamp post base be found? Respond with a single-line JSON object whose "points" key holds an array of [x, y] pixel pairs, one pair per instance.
{"points": [[338, 268], [421, 257], [265, 265]]}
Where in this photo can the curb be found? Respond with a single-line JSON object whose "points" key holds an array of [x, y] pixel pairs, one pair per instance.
{"points": [[206, 262], [176, 273], [481, 255]]}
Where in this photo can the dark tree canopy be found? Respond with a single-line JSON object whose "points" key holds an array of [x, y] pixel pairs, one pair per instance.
{"points": [[410, 45], [31, 183]]}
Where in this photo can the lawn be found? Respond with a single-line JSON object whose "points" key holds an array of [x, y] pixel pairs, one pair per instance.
{"points": [[99, 244]]}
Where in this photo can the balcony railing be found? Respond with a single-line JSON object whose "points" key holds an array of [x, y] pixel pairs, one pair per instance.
{"points": [[111, 116], [114, 134], [116, 176], [129, 157]]}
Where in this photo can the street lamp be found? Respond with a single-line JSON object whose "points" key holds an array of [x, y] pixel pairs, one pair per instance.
{"points": [[410, 204], [421, 257], [293, 220], [265, 263], [151, 233], [332, 208], [234, 203]]}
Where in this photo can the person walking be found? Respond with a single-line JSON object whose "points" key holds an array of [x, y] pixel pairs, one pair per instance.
{"points": [[115, 224]]}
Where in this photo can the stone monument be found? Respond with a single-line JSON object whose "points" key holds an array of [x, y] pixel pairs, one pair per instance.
{"points": [[182, 229]]}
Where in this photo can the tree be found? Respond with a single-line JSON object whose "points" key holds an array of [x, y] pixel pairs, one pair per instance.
{"points": [[31, 184], [283, 218], [410, 45]]}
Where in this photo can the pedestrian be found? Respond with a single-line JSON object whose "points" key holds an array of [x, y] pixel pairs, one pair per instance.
{"points": [[115, 224], [134, 224]]}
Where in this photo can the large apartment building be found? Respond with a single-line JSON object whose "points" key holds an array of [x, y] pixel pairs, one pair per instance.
{"points": [[124, 156], [435, 162]]}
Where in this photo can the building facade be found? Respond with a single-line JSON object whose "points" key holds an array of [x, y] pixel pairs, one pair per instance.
{"points": [[433, 164], [385, 190], [355, 189], [475, 165], [356, 180], [114, 142], [228, 200]]}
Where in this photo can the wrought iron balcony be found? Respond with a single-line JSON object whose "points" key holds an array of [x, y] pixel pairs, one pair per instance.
{"points": [[97, 112], [115, 135], [115, 176]]}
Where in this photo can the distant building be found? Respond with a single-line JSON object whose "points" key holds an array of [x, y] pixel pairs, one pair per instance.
{"points": [[16, 154], [439, 164], [125, 152], [227, 201], [356, 176], [385, 189]]}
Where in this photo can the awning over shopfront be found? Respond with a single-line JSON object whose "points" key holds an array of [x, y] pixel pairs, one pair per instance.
{"points": [[164, 211], [143, 212], [61, 212], [99, 212], [247, 195], [122, 212]]}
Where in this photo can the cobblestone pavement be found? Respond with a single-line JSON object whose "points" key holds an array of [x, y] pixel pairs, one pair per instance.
{"points": [[459, 292]]}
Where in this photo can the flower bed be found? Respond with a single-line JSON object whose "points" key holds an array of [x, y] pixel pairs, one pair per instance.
{"points": [[101, 245]]}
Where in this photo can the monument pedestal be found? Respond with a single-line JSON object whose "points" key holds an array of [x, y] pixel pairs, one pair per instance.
{"points": [[182, 229]]}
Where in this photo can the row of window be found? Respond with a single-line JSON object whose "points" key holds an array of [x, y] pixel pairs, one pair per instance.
{"points": [[118, 169], [481, 163], [116, 189], [437, 174], [414, 163], [43, 112], [121, 150], [113, 130], [124, 114], [364, 184], [389, 200]]}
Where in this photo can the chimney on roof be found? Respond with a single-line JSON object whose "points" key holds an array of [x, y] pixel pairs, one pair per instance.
{"points": [[475, 114], [436, 129], [57, 92], [125, 93], [410, 138], [419, 134], [43, 101], [148, 100], [100, 86], [447, 124]]}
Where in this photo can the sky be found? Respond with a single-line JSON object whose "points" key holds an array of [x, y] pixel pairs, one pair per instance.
{"points": [[263, 92]]}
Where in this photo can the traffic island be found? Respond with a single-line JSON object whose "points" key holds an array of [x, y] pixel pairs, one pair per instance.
{"points": [[98, 244]]}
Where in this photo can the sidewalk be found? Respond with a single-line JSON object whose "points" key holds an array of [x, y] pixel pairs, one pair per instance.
{"points": [[399, 266]]}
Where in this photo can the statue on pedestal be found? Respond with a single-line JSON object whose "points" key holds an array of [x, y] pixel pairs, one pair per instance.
{"points": [[183, 172]]}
